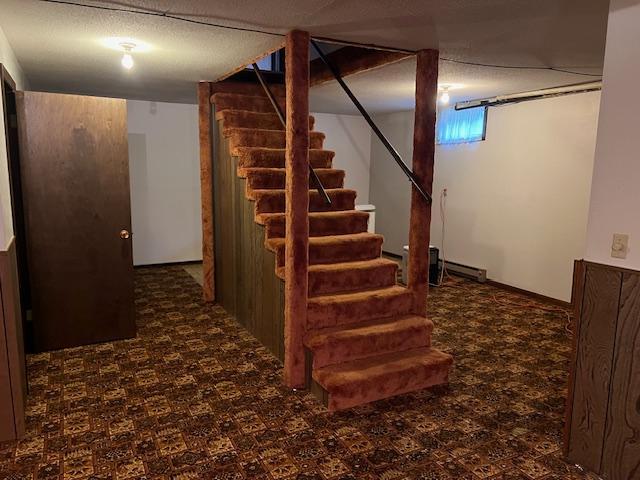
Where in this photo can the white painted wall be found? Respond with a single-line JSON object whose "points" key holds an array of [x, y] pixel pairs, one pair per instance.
{"points": [[389, 189], [8, 59], [350, 137], [615, 194], [517, 203], [164, 169]]}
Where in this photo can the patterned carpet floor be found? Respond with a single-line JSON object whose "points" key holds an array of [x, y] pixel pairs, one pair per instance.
{"points": [[196, 396]]}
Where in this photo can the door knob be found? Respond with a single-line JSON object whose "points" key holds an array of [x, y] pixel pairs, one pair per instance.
{"points": [[124, 234]]}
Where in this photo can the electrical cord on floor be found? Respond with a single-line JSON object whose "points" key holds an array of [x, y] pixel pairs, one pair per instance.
{"points": [[443, 270], [459, 283]]}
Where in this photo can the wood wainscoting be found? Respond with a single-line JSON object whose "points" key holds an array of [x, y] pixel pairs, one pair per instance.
{"points": [[13, 378], [245, 280], [603, 407]]}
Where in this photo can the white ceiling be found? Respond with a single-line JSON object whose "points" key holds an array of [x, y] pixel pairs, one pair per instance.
{"points": [[58, 46], [392, 88]]}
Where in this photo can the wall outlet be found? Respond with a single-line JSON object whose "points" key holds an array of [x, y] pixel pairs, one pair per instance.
{"points": [[620, 245]]}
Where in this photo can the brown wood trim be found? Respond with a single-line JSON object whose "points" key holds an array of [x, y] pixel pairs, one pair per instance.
{"points": [[297, 206], [11, 323], [168, 264], [250, 61], [245, 88], [6, 77], [206, 189], [530, 294], [371, 46], [351, 60], [424, 136], [577, 292]]}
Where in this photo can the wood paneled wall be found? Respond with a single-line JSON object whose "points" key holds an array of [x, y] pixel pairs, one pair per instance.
{"points": [[246, 284], [603, 414], [13, 378]]}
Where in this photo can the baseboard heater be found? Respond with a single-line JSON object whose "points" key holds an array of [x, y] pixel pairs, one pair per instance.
{"points": [[473, 273]]}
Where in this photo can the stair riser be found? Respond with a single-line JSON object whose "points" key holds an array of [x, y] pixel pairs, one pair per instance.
{"points": [[322, 315], [242, 119], [270, 180], [324, 283], [385, 386], [276, 203], [268, 139], [275, 159], [252, 104], [320, 227], [323, 254], [338, 350]]}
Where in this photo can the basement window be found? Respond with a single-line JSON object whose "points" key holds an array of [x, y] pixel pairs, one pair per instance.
{"points": [[273, 62], [461, 126]]}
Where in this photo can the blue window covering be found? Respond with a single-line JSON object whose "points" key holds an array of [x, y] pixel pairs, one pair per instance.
{"points": [[265, 64], [461, 126]]}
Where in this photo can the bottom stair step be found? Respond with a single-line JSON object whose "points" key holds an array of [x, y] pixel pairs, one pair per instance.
{"points": [[366, 380]]}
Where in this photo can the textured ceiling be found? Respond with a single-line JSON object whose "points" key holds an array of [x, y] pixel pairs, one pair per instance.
{"points": [[58, 46], [392, 88]]}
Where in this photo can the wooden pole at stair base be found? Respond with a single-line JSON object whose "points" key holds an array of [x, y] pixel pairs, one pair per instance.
{"points": [[206, 189], [297, 206], [424, 136]]}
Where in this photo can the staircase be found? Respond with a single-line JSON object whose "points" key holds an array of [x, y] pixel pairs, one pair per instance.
{"points": [[363, 338]]}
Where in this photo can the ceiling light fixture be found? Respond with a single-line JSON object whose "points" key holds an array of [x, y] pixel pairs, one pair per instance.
{"points": [[115, 43], [127, 59], [444, 97]]}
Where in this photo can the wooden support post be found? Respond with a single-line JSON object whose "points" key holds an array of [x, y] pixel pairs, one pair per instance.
{"points": [[423, 155], [297, 206], [206, 189]]}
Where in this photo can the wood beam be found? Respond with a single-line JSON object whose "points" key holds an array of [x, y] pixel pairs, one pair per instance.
{"points": [[245, 88], [206, 189], [423, 157], [297, 205], [351, 60]]}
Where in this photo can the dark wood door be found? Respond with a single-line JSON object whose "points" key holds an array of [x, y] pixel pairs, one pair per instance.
{"points": [[75, 180]]}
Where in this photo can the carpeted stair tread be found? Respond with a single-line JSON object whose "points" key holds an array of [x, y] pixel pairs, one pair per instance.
{"points": [[346, 277], [256, 137], [375, 337], [273, 200], [340, 222], [275, 178], [252, 103], [274, 157], [382, 376], [333, 249], [326, 311], [249, 119]]}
